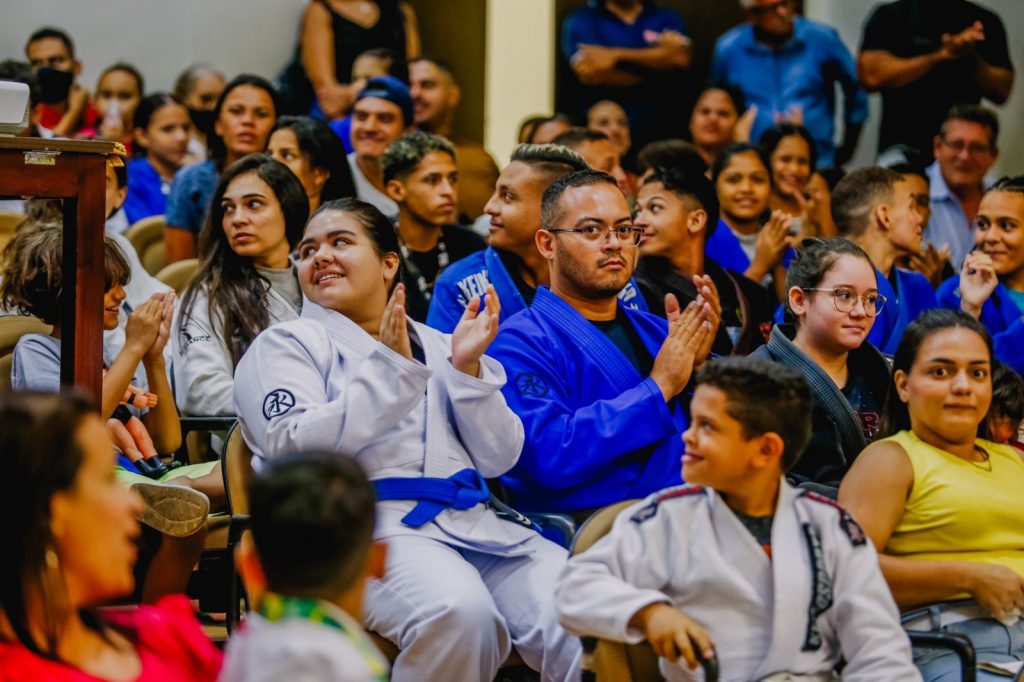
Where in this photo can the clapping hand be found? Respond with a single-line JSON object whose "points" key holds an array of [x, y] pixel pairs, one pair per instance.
{"points": [[394, 330], [475, 332], [687, 332], [165, 303]]}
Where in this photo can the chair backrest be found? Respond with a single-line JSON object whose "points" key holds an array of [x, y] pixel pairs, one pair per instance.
{"points": [[237, 466], [12, 328], [147, 236], [177, 275], [613, 661], [9, 222]]}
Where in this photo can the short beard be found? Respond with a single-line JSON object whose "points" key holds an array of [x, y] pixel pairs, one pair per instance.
{"points": [[584, 287]]}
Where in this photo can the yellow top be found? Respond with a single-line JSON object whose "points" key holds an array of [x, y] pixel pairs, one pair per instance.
{"points": [[960, 510]]}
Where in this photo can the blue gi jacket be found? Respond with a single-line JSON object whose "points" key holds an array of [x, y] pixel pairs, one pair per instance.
{"points": [[147, 192], [913, 295], [469, 277], [1000, 315], [596, 431]]}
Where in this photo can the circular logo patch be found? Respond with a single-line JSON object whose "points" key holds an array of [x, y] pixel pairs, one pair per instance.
{"points": [[531, 385], [278, 402]]}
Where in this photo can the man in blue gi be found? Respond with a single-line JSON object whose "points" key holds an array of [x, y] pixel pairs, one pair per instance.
{"points": [[595, 383], [788, 67], [511, 262], [876, 209]]}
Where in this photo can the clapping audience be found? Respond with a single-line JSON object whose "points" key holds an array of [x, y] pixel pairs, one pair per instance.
{"points": [[398, 376]]}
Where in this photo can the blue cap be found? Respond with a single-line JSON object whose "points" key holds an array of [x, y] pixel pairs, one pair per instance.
{"points": [[391, 89]]}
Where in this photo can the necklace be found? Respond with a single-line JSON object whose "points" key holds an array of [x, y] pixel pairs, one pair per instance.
{"points": [[426, 288], [986, 463]]}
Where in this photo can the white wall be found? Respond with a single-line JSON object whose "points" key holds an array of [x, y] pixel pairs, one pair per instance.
{"points": [[161, 37], [848, 16]]}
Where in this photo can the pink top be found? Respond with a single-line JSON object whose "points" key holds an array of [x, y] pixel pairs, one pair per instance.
{"points": [[170, 643]]}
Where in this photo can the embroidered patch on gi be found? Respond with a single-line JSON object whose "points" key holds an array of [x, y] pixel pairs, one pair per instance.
{"points": [[278, 402], [648, 511], [847, 523], [531, 385], [821, 588]]}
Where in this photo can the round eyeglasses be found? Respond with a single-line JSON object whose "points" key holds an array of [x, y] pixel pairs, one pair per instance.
{"points": [[846, 300]]}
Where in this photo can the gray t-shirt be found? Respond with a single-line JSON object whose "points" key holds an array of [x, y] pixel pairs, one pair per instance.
{"points": [[285, 282]]}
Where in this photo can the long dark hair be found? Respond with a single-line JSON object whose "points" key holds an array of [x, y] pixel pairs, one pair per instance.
{"points": [[324, 149], [237, 294], [40, 456], [928, 323], [218, 152]]}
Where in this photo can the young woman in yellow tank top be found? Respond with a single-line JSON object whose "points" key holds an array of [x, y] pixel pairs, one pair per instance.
{"points": [[944, 507]]}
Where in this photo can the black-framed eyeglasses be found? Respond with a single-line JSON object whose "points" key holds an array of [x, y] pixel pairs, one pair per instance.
{"points": [[627, 234], [846, 300]]}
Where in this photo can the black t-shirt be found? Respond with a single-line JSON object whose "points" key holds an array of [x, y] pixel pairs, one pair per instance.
{"points": [[458, 243], [620, 332], [863, 401], [513, 263], [912, 114]]}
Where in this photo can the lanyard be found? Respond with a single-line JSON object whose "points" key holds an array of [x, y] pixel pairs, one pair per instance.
{"points": [[276, 607], [426, 288]]}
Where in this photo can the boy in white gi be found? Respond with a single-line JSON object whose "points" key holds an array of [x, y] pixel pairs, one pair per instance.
{"points": [[767, 578], [306, 564]]}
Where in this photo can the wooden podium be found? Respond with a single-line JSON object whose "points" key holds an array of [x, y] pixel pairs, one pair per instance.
{"points": [[75, 171]]}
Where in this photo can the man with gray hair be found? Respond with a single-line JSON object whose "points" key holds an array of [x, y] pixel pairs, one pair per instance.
{"points": [[511, 262], [420, 177]]}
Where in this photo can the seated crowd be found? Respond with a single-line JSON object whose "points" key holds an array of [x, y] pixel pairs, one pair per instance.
{"points": [[799, 383]]}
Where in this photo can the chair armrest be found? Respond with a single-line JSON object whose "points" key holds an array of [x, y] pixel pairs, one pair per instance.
{"points": [[954, 641]]}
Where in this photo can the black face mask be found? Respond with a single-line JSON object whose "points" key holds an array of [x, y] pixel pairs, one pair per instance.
{"points": [[203, 119], [54, 84]]}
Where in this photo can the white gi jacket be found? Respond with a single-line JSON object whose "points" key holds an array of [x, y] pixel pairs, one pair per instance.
{"points": [[819, 598], [321, 383], [203, 371]]}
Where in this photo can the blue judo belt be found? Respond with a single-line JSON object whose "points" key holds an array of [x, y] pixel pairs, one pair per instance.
{"points": [[462, 490]]}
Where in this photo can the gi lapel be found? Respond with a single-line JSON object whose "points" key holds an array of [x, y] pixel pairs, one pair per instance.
{"points": [[743, 556], [436, 351], [339, 327], [791, 591], [851, 432], [511, 300], [586, 338], [881, 335]]}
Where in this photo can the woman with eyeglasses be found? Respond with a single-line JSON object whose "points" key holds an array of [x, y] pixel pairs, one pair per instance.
{"points": [[832, 295]]}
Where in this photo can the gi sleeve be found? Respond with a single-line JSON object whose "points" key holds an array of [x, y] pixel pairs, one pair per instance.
{"points": [[865, 616], [600, 590], [203, 370], [491, 432], [282, 398], [569, 446], [35, 365]]}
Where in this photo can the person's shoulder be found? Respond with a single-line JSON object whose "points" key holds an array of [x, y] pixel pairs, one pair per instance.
{"points": [[38, 344], [950, 287], [816, 30], [827, 511], [467, 265], [170, 629], [735, 38], [671, 498]]}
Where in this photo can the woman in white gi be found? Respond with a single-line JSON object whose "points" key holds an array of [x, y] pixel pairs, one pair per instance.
{"points": [[943, 506], [423, 412], [246, 280]]}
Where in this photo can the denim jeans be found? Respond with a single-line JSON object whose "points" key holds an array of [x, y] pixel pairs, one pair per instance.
{"points": [[993, 642]]}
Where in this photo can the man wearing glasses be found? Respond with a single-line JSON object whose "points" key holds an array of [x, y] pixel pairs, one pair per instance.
{"points": [[598, 386], [965, 151], [788, 67]]}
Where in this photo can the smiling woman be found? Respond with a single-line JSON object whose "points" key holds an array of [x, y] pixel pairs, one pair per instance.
{"points": [[245, 282]]}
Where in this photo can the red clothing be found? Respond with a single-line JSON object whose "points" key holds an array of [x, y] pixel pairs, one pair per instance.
{"points": [[170, 643], [49, 117]]}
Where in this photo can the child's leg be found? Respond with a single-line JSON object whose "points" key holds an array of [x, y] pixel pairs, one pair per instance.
{"points": [[523, 587], [141, 437], [207, 478], [433, 605], [171, 567], [123, 440]]}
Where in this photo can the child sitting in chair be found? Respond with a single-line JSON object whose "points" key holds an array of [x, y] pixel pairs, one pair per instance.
{"points": [[305, 565], [739, 565]]}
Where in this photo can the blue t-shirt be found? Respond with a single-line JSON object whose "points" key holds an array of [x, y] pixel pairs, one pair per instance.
{"points": [[191, 194], [342, 127], [803, 72], [147, 191], [595, 25]]}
